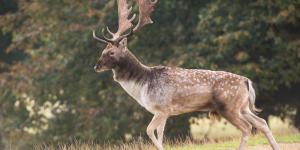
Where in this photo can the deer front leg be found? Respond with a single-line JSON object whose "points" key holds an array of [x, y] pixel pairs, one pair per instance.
{"points": [[160, 130], [156, 121]]}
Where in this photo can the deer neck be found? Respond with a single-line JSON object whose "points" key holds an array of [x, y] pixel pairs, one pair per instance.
{"points": [[130, 69]]}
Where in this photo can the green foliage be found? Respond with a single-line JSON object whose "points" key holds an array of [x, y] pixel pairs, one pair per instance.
{"points": [[47, 55]]}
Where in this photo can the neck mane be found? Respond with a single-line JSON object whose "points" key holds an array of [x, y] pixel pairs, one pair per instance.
{"points": [[130, 68]]}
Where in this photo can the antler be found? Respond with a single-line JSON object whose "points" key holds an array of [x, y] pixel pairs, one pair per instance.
{"points": [[146, 7], [124, 22]]}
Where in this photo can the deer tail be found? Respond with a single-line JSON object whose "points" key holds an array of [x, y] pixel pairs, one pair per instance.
{"points": [[252, 97]]}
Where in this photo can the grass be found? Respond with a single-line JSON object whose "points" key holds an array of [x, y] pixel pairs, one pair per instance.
{"points": [[219, 135], [179, 145], [206, 128], [255, 140]]}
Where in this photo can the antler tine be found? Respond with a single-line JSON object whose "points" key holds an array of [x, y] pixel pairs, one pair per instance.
{"points": [[106, 38], [132, 18], [98, 39], [108, 30], [146, 7], [154, 2], [126, 35]]}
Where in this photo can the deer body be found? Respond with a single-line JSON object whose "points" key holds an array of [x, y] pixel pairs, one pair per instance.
{"points": [[174, 91], [167, 91]]}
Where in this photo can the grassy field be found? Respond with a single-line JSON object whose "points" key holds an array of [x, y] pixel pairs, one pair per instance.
{"points": [[256, 142], [233, 144], [207, 135], [207, 129]]}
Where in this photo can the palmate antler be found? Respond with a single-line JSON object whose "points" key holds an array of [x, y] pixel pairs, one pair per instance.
{"points": [[146, 7]]}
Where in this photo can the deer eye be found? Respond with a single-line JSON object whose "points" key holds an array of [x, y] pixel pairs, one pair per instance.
{"points": [[111, 53]]}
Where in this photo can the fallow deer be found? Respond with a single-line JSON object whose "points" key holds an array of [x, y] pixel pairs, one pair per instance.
{"points": [[169, 91]]}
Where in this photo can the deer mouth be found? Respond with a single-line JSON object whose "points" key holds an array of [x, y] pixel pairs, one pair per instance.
{"points": [[99, 68]]}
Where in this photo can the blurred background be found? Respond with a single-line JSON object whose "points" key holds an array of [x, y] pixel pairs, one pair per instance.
{"points": [[49, 92]]}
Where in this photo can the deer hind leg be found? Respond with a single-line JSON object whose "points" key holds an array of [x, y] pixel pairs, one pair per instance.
{"points": [[156, 122], [238, 120], [261, 125], [242, 125]]}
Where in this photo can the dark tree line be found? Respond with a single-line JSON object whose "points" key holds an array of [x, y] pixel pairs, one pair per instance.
{"points": [[50, 93]]}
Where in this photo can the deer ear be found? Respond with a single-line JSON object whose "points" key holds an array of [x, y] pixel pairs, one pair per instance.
{"points": [[123, 43]]}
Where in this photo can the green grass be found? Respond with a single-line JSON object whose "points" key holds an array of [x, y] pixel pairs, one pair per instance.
{"points": [[255, 140], [220, 136], [185, 145], [218, 130]]}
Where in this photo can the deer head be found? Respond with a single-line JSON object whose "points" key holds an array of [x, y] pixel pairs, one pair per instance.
{"points": [[116, 49]]}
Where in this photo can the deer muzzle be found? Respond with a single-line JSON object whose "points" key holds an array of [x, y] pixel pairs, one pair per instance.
{"points": [[100, 68]]}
